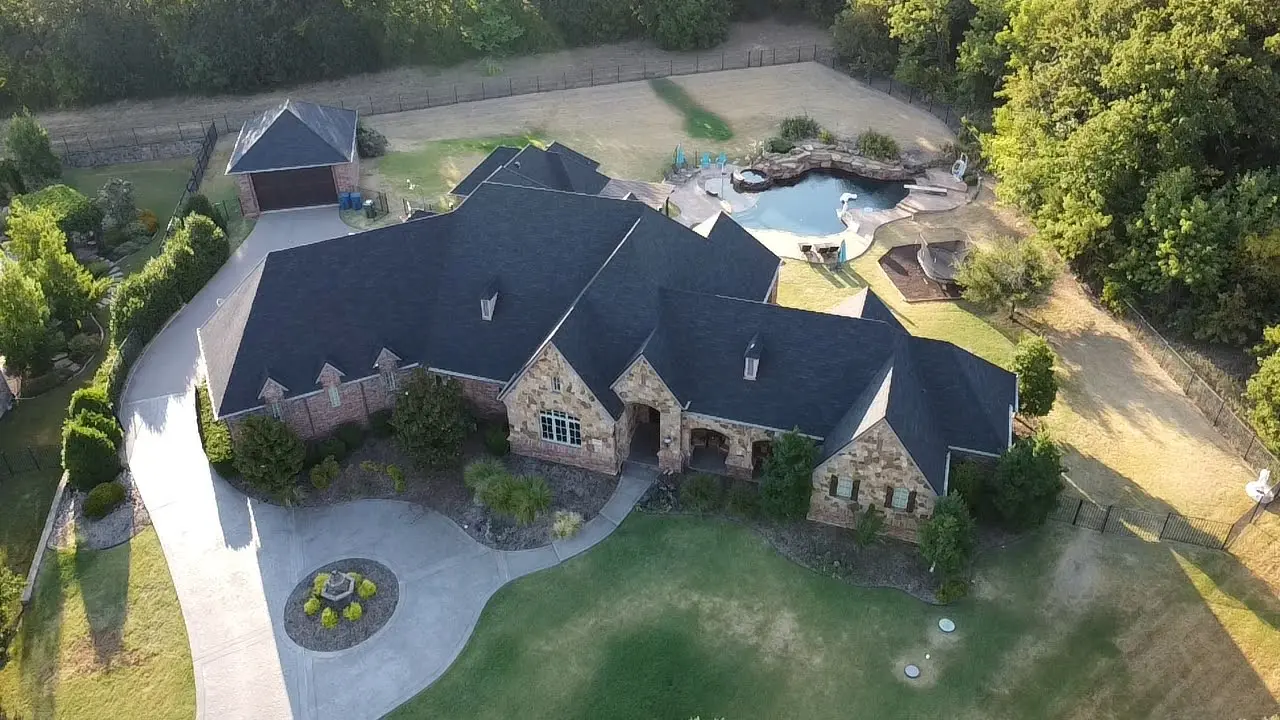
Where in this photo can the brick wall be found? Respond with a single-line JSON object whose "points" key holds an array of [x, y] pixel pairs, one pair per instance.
{"points": [[482, 396], [248, 200], [346, 177], [879, 461]]}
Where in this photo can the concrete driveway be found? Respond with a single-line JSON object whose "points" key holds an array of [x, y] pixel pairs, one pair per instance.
{"points": [[234, 561]]}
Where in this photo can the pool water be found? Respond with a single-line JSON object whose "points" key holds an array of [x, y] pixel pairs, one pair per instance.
{"points": [[809, 206]]}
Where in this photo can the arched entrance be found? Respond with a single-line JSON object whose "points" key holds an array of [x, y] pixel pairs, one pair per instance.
{"points": [[646, 433], [760, 451], [708, 450]]}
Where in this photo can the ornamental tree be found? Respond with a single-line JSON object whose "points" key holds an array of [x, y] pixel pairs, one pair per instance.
{"points": [[947, 538], [28, 144], [269, 454], [431, 420], [1037, 386], [787, 481], [1028, 479], [1007, 273], [24, 314]]}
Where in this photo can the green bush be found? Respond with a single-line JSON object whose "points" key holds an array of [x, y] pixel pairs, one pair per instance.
{"points": [[366, 589], [371, 466], [779, 145], [701, 493], [878, 146], [329, 619], [353, 612], [530, 497], [1027, 482], [318, 582], [799, 127], [370, 143], [333, 447], [788, 475], [479, 473], [495, 440], [431, 420], [82, 346], [71, 209], [947, 538], [105, 423], [685, 24], [870, 526], [30, 151], [311, 606], [351, 434], [1037, 387], [268, 454], [214, 435], [826, 137], [380, 424], [88, 456], [103, 499], [970, 480], [951, 590], [198, 204], [92, 398], [744, 500], [397, 477], [324, 473], [565, 524]]}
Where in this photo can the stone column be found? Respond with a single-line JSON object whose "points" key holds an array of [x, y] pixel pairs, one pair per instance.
{"points": [[738, 462], [670, 454]]}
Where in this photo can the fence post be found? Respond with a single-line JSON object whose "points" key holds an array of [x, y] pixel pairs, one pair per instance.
{"points": [[88, 141], [773, 56], [593, 76], [539, 83], [455, 93], [1079, 505], [618, 77], [400, 101], [669, 65], [35, 460], [1165, 526], [428, 97], [722, 60], [1106, 519], [135, 136]]}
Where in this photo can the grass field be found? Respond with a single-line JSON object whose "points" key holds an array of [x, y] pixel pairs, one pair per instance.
{"points": [[699, 122], [103, 638], [430, 170], [672, 618]]}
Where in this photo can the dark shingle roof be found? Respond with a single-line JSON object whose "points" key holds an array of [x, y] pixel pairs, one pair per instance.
{"points": [[574, 155], [500, 156], [292, 135], [556, 168]]}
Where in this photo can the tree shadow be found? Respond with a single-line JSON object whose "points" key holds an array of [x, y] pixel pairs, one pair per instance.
{"points": [[104, 586], [41, 636]]}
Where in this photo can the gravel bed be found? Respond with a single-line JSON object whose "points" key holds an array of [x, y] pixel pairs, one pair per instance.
{"points": [[825, 549], [72, 529], [572, 489], [306, 630]]}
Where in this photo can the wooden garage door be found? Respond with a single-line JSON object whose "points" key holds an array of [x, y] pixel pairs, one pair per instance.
{"points": [[294, 188]]}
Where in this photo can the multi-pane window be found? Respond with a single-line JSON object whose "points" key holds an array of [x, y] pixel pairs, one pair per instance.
{"points": [[559, 427], [555, 384], [335, 398], [900, 497], [844, 488], [277, 411], [389, 379]]}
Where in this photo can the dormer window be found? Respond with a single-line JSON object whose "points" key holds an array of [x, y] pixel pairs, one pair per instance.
{"points": [[335, 396], [489, 299], [751, 365], [555, 384]]}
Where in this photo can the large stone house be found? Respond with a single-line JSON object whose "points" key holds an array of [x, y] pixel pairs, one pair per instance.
{"points": [[603, 331]]}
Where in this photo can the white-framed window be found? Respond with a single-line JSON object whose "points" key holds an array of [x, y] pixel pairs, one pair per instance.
{"points": [[562, 428], [555, 384], [900, 498], [389, 380], [844, 488], [276, 409], [335, 397]]}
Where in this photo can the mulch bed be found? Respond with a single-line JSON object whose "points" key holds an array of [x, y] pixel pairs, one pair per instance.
{"points": [[572, 489], [306, 630], [904, 270], [825, 549], [71, 529]]}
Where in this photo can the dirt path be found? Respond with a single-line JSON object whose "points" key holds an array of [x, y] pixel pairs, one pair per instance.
{"points": [[124, 115]]}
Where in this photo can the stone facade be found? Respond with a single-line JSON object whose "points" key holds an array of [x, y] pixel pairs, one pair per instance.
{"points": [[346, 177], [835, 157], [742, 438], [535, 391], [248, 199], [640, 385], [878, 462]]}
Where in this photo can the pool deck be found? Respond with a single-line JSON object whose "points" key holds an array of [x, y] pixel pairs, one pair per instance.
{"points": [[697, 207]]}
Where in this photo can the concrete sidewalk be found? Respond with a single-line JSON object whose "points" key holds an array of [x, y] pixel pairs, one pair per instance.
{"points": [[234, 561]]}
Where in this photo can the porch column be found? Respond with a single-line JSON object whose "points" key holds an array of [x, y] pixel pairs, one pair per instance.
{"points": [[738, 461], [670, 443]]}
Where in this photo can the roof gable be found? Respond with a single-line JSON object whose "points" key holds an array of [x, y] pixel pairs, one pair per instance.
{"points": [[294, 135]]}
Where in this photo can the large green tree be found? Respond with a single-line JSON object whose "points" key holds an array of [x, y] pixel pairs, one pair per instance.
{"points": [[28, 145], [431, 420], [1037, 387], [1007, 273], [788, 477], [24, 315], [269, 455], [947, 538], [1028, 479]]}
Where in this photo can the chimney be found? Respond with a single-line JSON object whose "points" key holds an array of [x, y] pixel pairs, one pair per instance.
{"points": [[752, 357], [489, 299]]}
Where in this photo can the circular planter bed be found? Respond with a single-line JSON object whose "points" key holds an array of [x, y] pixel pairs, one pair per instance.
{"points": [[309, 632]]}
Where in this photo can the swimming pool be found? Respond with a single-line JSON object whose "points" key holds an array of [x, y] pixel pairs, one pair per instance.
{"points": [[809, 205]]}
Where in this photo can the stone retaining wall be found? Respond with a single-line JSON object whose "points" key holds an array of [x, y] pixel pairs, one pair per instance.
{"points": [[131, 153], [808, 157]]}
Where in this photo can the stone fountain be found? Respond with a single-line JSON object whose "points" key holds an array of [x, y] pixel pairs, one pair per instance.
{"points": [[339, 587]]}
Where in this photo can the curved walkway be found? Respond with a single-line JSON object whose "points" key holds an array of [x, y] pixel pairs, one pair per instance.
{"points": [[234, 561]]}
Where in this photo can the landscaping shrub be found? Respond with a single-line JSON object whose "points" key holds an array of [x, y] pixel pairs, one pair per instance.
{"points": [[826, 137], [380, 424], [268, 454], [370, 466], [878, 146], [431, 420], [565, 524], [115, 202], [150, 223], [353, 612], [318, 582], [103, 499], [479, 473], [779, 145], [311, 606], [88, 456], [91, 398], [1026, 483], [370, 143], [198, 204], [1037, 387], [970, 479], [328, 619], [105, 423], [10, 592], [81, 347], [332, 447], [701, 493], [71, 209], [351, 434], [30, 150], [785, 487], [325, 472], [951, 590], [24, 319], [947, 538], [495, 440], [215, 436], [366, 588], [744, 500], [870, 526], [798, 127], [530, 498], [397, 477], [496, 493]]}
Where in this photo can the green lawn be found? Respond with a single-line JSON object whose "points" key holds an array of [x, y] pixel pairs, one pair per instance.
{"points": [[156, 185], [677, 617], [699, 122], [103, 638], [428, 172]]}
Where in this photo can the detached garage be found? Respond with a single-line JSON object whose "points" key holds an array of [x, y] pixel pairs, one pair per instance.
{"points": [[295, 155]]}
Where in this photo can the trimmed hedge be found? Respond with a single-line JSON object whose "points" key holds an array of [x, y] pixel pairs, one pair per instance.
{"points": [[215, 436], [92, 398], [103, 499], [88, 456], [105, 423]]}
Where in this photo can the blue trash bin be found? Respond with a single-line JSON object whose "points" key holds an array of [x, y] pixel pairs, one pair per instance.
{"points": [[356, 201], [344, 200]]}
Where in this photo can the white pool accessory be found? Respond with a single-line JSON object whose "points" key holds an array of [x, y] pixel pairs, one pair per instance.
{"points": [[946, 625], [1261, 490], [912, 671]]}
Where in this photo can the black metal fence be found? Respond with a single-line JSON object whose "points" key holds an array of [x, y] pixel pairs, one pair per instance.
{"points": [[30, 459], [1149, 526], [197, 175]]}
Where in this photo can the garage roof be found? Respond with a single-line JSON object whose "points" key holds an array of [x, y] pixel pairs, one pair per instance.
{"points": [[295, 135]]}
